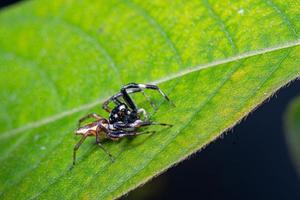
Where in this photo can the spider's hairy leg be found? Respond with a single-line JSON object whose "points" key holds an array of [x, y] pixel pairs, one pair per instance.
{"points": [[91, 115], [139, 87], [122, 133], [155, 87], [139, 133], [128, 99], [105, 106], [149, 100], [98, 131], [150, 123], [114, 99], [161, 124], [76, 147], [135, 125], [133, 88]]}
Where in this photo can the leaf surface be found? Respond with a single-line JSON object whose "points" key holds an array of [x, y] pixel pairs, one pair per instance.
{"points": [[217, 61]]}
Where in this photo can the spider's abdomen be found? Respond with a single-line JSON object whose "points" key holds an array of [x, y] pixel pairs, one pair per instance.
{"points": [[85, 129], [92, 128]]}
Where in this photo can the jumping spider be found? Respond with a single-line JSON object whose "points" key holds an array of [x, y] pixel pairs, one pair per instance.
{"points": [[124, 119]]}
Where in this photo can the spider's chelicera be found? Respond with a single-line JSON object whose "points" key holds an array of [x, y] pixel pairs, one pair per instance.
{"points": [[125, 119]]}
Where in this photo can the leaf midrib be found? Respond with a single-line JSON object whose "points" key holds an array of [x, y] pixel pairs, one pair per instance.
{"points": [[180, 73], [161, 31], [179, 130]]}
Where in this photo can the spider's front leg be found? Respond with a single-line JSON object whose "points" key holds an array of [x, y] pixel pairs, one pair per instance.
{"points": [[114, 99], [139, 87]]}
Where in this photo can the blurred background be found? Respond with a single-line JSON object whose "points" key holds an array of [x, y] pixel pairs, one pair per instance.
{"points": [[252, 161]]}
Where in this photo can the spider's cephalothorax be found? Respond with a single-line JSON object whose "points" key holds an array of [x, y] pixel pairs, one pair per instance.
{"points": [[124, 118], [123, 114]]}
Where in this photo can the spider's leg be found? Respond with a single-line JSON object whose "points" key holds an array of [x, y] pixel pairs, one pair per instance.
{"points": [[91, 115], [76, 147], [105, 105], [140, 87], [132, 88], [137, 124], [122, 133], [114, 99], [140, 123], [155, 87], [128, 99], [125, 91], [148, 123], [149, 100], [100, 145], [138, 133]]}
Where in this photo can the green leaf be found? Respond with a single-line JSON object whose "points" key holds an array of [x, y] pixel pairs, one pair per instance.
{"points": [[217, 61], [292, 124]]}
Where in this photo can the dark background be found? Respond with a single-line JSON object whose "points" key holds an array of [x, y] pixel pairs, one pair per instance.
{"points": [[250, 162], [4, 3]]}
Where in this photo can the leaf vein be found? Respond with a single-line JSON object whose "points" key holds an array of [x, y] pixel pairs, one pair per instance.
{"points": [[153, 22], [221, 24], [180, 73], [93, 40], [284, 17], [165, 145], [195, 113]]}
